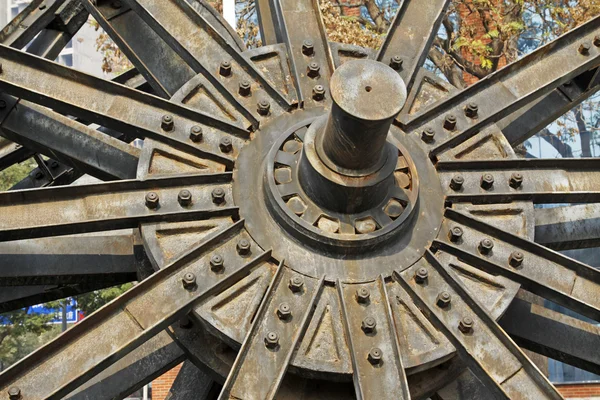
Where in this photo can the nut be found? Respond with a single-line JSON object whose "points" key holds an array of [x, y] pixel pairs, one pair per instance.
{"points": [[396, 62], [189, 281], [363, 295], [456, 233], [421, 275], [39, 175], [167, 123], [368, 325], [516, 259], [308, 48], [225, 68], [471, 110], [487, 181], [584, 48], [53, 164], [597, 41], [216, 262], [457, 182], [284, 311], [313, 70], [428, 135], [272, 340], [466, 325], [319, 92], [264, 107], [243, 247], [245, 88], [375, 356], [184, 198], [185, 323], [516, 180], [152, 200], [443, 300], [14, 393], [486, 245], [296, 284], [196, 133], [218, 196], [450, 122], [225, 145]]}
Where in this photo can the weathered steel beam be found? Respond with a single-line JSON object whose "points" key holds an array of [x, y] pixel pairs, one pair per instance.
{"points": [[191, 383], [486, 349], [267, 22], [538, 269], [12, 153], [568, 227], [554, 335], [36, 16]]}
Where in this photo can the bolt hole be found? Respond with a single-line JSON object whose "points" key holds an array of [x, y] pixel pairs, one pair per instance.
{"points": [[368, 88]]}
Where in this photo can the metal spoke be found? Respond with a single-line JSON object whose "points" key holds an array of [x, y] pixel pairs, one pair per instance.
{"points": [[463, 115], [539, 270], [191, 383], [280, 322], [125, 323], [410, 36], [568, 227], [563, 180], [110, 206], [373, 342], [491, 355], [115, 106], [267, 22]]}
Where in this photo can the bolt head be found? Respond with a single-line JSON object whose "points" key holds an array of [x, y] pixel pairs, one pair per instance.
{"points": [[54, 164], [2, 104], [284, 311], [152, 200], [450, 122], [319, 92], [486, 245], [272, 340], [225, 68], [189, 281], [487, 181], [218, 196], [308, 48], [296, 284], [167, 123], [516, 180], [184, 197], [428, 135], [368, 325], [443, 299], [313, 70], [516, 259], [243, 247], [14, 393], [396, 62], [375, 356], [216, 262], [185, 323], [466, 325], [597, 41], [117, 4], [196, 134], [264, 107], [457, 182], [39, 175], [245, 88], [363, 295], [584, 48], [472, 110], [226, 145], [456, 233], [421, 275]]}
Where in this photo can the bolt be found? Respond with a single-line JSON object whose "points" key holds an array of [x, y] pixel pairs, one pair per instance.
{"points": [[368, 325], [225, 68], [471, 110], [450, 122], [263, 107], [2, 104], [443, 300], [584, 48], [243, 247], [363, 295], [189, 281], [42, 7], [54, 164], [167, 123], [313, 70], [185, 323], [216, 262], [39, 175], [319, 92], [396, 62], [485, 246], [245, 88], [225, 145], [428, 135], [284, 311], [196, 134], [14, 393], [487, 181], [457, 182], [184, 198], [272, 340], [456, 233], [308, 49], [597, 41], [516, 180], [218, 196], [296, 284], [152, 200], [116, 4], [421, 275], [466, 325], [516, 259], [375, 356]]}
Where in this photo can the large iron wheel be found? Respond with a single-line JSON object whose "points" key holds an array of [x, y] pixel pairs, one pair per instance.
{"points": [[312, 220]]}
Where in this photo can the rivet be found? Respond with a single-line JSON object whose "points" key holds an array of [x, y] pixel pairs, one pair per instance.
{"points": [[296, 284], [466, 325], [272, 340], [284, 311], [243, 247], [450, 122], [196, 133], [487, 181], [368, 325], [421, 275], [218, 196], [443, 299], [319, 92], [167, 123], [363, 295], [428, 135], [396, 62], [152, 200], [455, 234], [226, 145], [457, 182], [516, 259], [375, 356], [184, 197], [189, 281], [216, 262], [486, 245]]}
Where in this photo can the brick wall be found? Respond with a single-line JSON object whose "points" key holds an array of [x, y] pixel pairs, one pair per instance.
{"points": [[162, 384], [350, 11], [580, 391]]}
